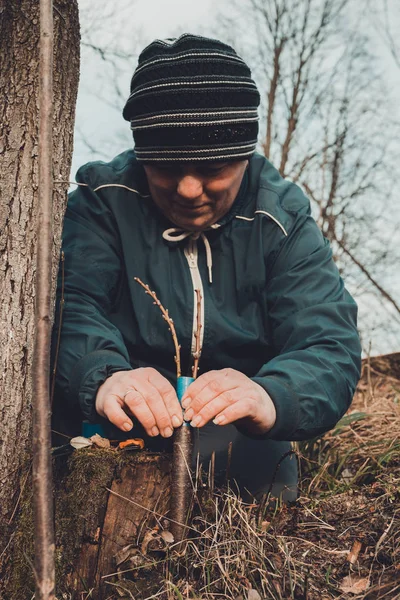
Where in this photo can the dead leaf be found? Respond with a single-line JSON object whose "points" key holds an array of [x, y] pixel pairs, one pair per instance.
{"points": [[80, 442], [167, 537], [354, 585], [265, 525], [148, 537], [253, 595], [124, 554], [354, 552], [99, 441], [347, 476]]}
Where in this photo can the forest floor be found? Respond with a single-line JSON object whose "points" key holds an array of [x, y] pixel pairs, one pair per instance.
{"points": [[341, 539]]}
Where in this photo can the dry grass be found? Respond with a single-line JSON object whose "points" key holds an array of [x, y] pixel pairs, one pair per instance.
{"points": [[340, 540]]}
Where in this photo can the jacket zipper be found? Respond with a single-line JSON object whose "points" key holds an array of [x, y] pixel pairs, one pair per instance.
{"points": [[191, 254]]}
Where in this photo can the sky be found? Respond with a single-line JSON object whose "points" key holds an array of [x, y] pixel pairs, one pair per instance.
{"points": [[149, 19], [99, 123], [101, 132]]}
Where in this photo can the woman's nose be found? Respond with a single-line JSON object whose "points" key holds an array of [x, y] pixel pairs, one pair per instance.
{"points": [[190, 187]]}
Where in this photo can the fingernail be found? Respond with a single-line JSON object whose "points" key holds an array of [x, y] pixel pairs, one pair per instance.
{"points": [[127, 426], [188, 414], [185, 402], [219, 420], [168, 432], [196, 421], [155, 431], [176, 421]]}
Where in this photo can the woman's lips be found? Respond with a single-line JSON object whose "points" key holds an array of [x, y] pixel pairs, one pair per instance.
{"points": [[191, 207]]}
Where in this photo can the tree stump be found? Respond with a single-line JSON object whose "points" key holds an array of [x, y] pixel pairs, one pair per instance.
{"points": [[110, 527], [120, 525]]}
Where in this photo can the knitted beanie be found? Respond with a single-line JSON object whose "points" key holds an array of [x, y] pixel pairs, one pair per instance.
{"points": [[192, 99]]}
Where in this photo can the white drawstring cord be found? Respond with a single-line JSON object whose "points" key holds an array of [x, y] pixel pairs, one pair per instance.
{"points": [[175, 234]]}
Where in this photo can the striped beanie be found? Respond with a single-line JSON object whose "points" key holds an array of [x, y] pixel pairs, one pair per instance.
{"points": [[192, 98]]}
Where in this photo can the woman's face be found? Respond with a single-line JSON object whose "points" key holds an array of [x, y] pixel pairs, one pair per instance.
{"points": [[195, 195]]}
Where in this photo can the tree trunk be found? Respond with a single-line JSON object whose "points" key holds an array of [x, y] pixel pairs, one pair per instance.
{"points": [[19, 70]]}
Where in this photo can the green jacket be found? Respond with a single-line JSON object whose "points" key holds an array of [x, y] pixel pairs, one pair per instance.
{"points": [[276, 309]]}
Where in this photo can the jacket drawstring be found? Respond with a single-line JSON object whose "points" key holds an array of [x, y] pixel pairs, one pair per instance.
{"points": [[175, 234]]}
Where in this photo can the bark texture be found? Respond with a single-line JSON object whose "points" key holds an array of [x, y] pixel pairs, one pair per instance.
{"points": [[19, 62]]}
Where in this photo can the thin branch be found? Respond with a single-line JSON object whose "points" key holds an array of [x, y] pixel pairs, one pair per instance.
{"points": [[197, 335], [272, 95], [368, 275], [106, 54], [170, 322], [42, 475]]}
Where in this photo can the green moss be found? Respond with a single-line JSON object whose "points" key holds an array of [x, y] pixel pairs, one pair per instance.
{"points": [[19, 576], [81, 498], [80, 490]]}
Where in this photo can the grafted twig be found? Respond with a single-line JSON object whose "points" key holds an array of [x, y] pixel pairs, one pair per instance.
{"points": [[197, 335], [170, 322], [181, 492]]}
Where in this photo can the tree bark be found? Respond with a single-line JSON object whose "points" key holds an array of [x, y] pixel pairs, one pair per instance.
{"points": [[19, 62]]}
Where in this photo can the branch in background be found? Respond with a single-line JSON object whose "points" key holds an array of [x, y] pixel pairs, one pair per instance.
{"points": [[106, 54], [368, 275], [393, 48], [170, 322], [383, 26], [272, 95], [279, 39], [326, 213], [85, 141]]}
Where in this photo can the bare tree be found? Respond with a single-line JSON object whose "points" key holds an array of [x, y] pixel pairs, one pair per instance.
{"points": [[326, 125], [385, 20]]}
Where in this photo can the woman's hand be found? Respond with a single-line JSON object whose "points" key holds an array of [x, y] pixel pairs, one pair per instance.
{"points": [[143, 393], [228, 396]]}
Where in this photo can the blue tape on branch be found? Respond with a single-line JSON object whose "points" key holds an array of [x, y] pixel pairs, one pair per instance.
{"points": [[89, 429], [182, 384]]}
